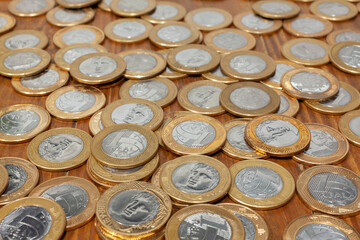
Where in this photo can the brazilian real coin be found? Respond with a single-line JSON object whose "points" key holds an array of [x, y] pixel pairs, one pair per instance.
{"points": [[276, 9], [95, 124], [349, 126], [7, 22], [289, 106], [30, 8], [342, 35], [330, 189], [209, 19], [334, 10], [344, 55], [76, 3], [132, 8], [4, 179], [164, 12], [217, 75], [23, 39], [272, 186], [64, 17], [169, 73]]}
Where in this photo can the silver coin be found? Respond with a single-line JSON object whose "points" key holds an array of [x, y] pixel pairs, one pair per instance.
{"points": [[332, 189], [236, 138], [168, 69], [350, 55], [205, 96], [193, 57], [281, 68], [276, 7], [163, 12], [23, 40], [29, 222], [22, 61], [3, 22], [342, 98], [133, 207], [195, 178], [149, 89], [98, 66], [174, 33], [129, 29], [257, 23], [60, 147], [248, 64], [307, 25], [308, 51], [218, 72], [19, 122], [308, 82], [333, 9], [17, 178], [74, 53], [123, 171], [78, 36], [318, 231], [44, 79], [29, 6], [284, 105], [230, 41], [134, 113], [204, 225], [140, 62], [69, 15], [249, 227], [322, 144], [354, 125], [124, 144], [75, 101], [347, 36], [259, 182], [208, 18], [72, 198], [133, 5], [249, 98]]}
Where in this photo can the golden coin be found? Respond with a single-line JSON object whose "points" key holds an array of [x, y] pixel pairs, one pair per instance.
{"points": [[334, 10], [343, 35], [344, 56], [142, 63], [63, 17], [22, 8], [4, 179], [348, 125], [77, 196], [131, 8], [307, 25], [193, 59], [209, 19], [169, 73], [23, 39], [347, 99], [21, 122], [310, 83], [42, 83], [161, 91], [45, 153], [273, 186], [105, 5], [75, 102], [8, 22], [193, 134], [289, 106], [321, 226], [23, 177], [76, 4], [278, 135], [276, 9], [330, 189], [95, 124], [217, 75], [155, 179], [249, 99], [164, 12], [252, 23], [78, 34], [200, 220]]}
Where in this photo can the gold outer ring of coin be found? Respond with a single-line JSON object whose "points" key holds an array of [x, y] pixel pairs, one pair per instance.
{"points": [[286, 52], [44, 123], [331, 38], [185, 103], [310, 201], [353, 104], [177, 148], [209, 40], [294, 226], [124, 91], [344, 126], [257, 8], [12, 7], [143, 230], [108, 30], [178, 195], [292, 91], [59, 55], [261, 228], [328, 27], [19, 87], [10, 22], [50, 102], [123, 13], [279, 200], [57, 38], [294, 105], [336, 157], [172, 227], [229, 106], [172, 74], [160, 64], [181, 11], [43, 39], [228, 19], [255, 142], [48, 165], [353, 11], [102, 5], [81, 4], [174, 64], [50, 17], [336, 60], [4, 179], [277, 24], [94, 122], [155, 123], [220, 79], [93, 193]]}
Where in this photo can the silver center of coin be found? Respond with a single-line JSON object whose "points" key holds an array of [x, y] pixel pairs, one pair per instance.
{"points": [[44, 79], [74, 53], [322, 144], [308, 51], [276, 7], [19, 122], [22, 61], [149, 89], [342, 98], [350, 55], [17, 178], [248, 64], [3, 22], [218, 72], [163, 12], [250, 98], [195, 178], [29, 6], [259, 182], [23, 40], [281, 69], [205, 96], [236, 138], [310, 82], [134, 207], [208, 18], [174, 33], [250, 230], [284, 105], [318, 231], [124, 144], [78, 36], [307, 25], [129, 29], [134, 113], [333, 9], [204, 225], [255, 22], [347, 36], [69, 15], [75, 101], [332, 189], [194, 133], [193, 57], [354, 125], [140, 62], [230, 41], [60, 147], [98, 66], [132, 5]]}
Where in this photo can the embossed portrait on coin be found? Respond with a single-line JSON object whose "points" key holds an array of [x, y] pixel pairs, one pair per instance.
{"points": [[208, 18], [193, 57], [230, 40], [174, 33], [22, 61], [333, 9], [248, 64], [308, 50], [276, 7], [140, 62], [250, 230], [310, 82], [194, 133], [31, 5], [132, 5], [255, 22], [307, 25], [163, 12], [74, 53], [205, 96], [78, 36], [149, 90], [98, 66], [69, 15], [350, 55], [23, 40], [236, 137], [249, 98], [318, 231], [280, 70], [134, 113], [17, 178], [44, 79], [342, 98], [18, 122], [354, 125], [129, 29], [75, 101], [322, 144]]}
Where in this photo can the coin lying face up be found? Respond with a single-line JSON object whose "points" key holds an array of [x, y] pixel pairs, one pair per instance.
{"points": [[334, 10], [23, 39], [165, 11], [282, 66], [7, 22], [63, 17], [30, 8], [208, 19], [132, 8], [276, 9], [344, 55], [76, 3], [169, 73], [217, 75], [342, 35], [4, 179], [349, 126], [95, 124]]}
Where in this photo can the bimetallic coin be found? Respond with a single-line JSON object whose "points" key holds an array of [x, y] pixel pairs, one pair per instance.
{"points": [[30, 8], [7, 22], [169, 73], [23, 39], [209, 19], [334, 10], [217, 75], [288, 106], [64, 17], [276, 9], [164, 12], [132, 8], [349, 126], [95, 124], [76, 3], [343, 35], [4, 179], [105, 5], [346, 57]]}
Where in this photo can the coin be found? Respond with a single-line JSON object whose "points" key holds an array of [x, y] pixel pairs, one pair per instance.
{"points": [[261, 184], [334, 10], [310, 83], [249, 22], [288, 106], [142, 63], [217, 75], [276, 9], [169, 73], [155, 179], [278, 135], [209, 19], [42, 83], [63, 17], [164, 12], [7, 22], [95, 124], [132, 8], [330, 189], [78, 34], [4, 179], [75, 102], [343, 35], [249, 99], [307, 25], [77, 197], [105, 5], [349, 126], [23, 39], [344, 55], [30, 8], [319, 226], [76, 3]]}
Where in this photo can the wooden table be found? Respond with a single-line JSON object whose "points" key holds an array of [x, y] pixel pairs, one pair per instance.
{"points": [[270, 44]]}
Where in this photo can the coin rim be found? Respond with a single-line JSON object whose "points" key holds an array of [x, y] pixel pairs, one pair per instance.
{"points": [[353, 11], [256, 7], [178, 17], [83, 4], [13, 10], [294, 105], [10, 22], [170, 75], [50, 17], [331, 38], [345, 128], [228, 19], [335, 59], [94, 127], [122, 13], [4, 180]]}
